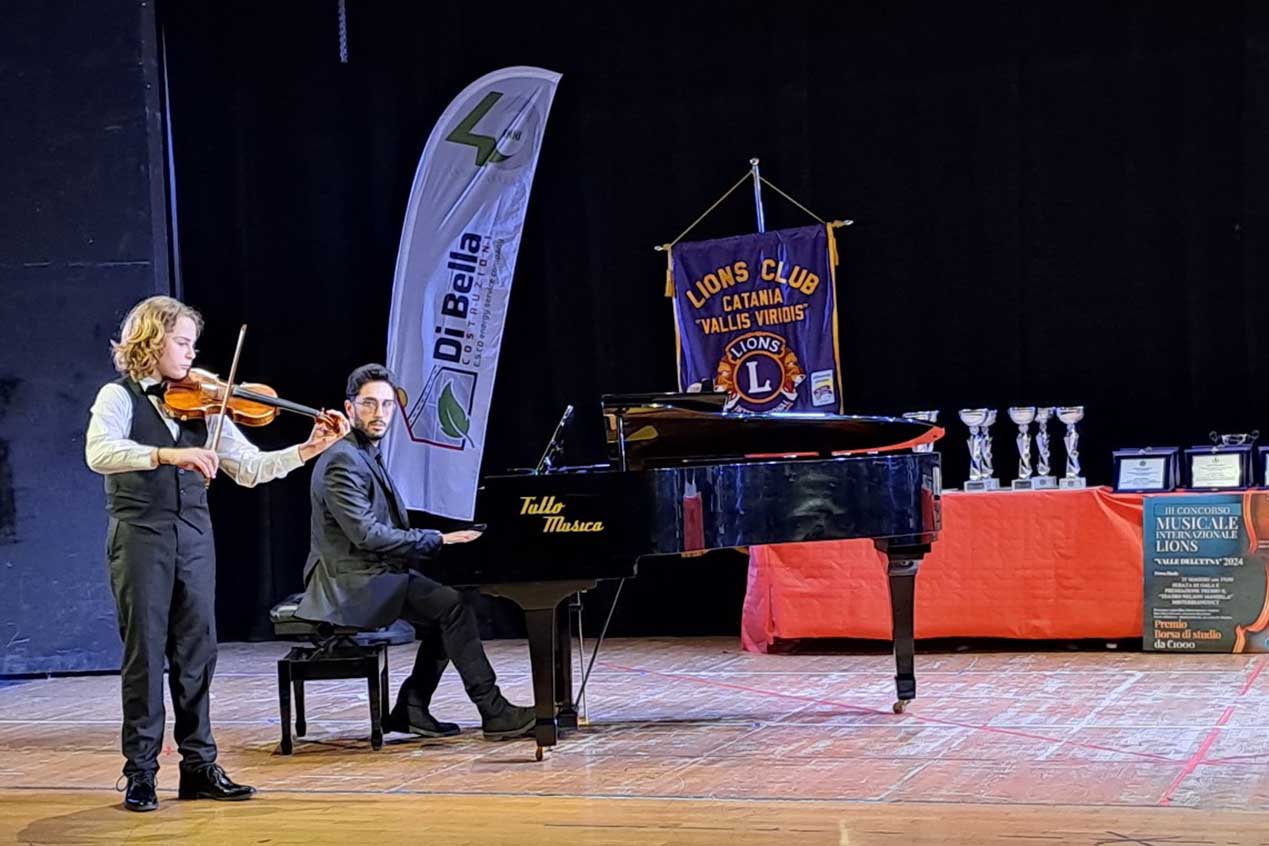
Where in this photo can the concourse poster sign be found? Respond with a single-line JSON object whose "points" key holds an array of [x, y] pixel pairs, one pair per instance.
{"points": [[1206, 565]]}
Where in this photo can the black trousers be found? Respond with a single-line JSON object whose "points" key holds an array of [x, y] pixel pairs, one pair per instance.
{"points": [[164, 581], [447, 631]]}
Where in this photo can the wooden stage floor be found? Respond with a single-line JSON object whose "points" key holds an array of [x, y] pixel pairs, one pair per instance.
{"points": [[694, 741]]}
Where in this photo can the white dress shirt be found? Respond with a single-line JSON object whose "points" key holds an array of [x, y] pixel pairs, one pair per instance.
{"points": [[108, 449]]}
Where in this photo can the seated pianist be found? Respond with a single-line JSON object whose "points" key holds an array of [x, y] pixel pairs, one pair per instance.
{"points": [[363, 571]]}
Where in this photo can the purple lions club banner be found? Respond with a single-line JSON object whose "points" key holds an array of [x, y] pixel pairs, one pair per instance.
{"points": [[453, 282], [757, 315]]}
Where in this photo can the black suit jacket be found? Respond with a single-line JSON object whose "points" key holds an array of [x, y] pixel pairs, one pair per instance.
{"points": [[360, 545]]}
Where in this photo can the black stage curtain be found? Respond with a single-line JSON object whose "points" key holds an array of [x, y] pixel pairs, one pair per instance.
{"points": [[1055, 203], [82, 237]]}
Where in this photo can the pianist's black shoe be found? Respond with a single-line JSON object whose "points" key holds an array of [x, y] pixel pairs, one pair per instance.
{"points": [[428, 726], [210, 782], [510, 722], [140, 795]]}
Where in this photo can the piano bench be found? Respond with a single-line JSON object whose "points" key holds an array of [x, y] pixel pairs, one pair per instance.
{"points": [[336, 652]]}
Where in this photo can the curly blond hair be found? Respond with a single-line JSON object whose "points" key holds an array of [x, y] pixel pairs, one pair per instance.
{"points": [[144, 332]]}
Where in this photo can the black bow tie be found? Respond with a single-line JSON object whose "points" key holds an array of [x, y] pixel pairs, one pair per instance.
{"points": [[156, 390]]}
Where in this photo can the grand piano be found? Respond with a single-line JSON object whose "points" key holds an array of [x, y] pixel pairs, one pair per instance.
{"points": [[685, 476]]}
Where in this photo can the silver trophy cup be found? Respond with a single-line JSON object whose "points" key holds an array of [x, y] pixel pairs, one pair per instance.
{"points": [[925, 417], [979, 421], [989, 471], [1023, 416], [1043, 478], [1070, 415], [1242, 439]]}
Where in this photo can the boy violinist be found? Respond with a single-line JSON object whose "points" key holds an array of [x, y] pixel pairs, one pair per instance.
{"points": [[159, 542]]}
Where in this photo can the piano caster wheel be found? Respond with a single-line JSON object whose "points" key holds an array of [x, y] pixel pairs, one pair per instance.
{"points": [[538, 753], [900, 706]]}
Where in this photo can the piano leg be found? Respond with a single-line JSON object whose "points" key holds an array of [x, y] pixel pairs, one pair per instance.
{"points": [[565, 708], [540, 623], [541, 604], [902, 566]]}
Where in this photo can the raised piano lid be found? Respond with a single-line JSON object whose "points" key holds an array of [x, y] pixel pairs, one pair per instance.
{"points": [[649, 430]]}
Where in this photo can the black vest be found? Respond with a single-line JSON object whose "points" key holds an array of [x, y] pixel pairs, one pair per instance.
{"points": [[157, 498]]}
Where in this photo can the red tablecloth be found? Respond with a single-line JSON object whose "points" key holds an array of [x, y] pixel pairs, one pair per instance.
{"points": [[1024, 564]]}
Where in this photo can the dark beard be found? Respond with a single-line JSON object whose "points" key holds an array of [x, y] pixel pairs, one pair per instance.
{"points": [[366, 433], [361, 427]]}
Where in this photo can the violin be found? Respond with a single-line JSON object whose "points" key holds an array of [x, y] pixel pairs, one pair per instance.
{"points": [[202, 393]]}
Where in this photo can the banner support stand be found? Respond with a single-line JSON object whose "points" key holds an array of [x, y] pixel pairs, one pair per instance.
{"points": [[757, 194], [758, 181]]}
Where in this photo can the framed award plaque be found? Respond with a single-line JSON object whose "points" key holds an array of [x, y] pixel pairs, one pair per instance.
{"points": [[1149, 470], [1220, 468]]}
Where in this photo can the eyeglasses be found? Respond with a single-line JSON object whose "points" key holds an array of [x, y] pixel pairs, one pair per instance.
{"points": [[370, 405]]}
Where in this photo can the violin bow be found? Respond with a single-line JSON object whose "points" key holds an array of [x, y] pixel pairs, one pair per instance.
{"points": [[229, 389]]}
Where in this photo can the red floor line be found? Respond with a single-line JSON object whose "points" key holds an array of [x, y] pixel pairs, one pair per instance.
{"points": [[1255, 673], [1192, 764], [1239, 760], [920, 718]]}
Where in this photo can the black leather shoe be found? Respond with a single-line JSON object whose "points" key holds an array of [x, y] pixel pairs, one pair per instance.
{"points": [[140, 795], [511, 722], [429, 726], [210, 782]]}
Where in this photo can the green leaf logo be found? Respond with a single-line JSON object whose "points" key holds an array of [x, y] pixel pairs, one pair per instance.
{"points": [[453, 419]]}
